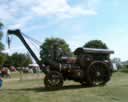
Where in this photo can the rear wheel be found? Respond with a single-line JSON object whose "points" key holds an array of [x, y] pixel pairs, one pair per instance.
{"points": [[53, 80], [98, 74]]}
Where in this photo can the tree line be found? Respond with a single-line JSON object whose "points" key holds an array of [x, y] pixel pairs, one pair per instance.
{"points": [[46, 51], [16, 59]]}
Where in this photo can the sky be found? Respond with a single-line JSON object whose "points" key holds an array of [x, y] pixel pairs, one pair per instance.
{"points": [[76, 21]]}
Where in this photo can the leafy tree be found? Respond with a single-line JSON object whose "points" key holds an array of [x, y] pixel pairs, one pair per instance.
{"points": [[1, 34], [1, 25], [2, 57], [51, 45], [18, 60], [99, 45], [96, 44], [8, 60]]}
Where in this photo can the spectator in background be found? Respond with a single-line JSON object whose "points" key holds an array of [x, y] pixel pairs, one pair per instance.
{"points": [[1, 81], [6, 72]]}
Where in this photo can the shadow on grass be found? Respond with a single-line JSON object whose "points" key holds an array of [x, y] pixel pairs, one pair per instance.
{"points": [[42, 89]]}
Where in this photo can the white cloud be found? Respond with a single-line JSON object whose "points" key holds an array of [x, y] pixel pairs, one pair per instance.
{"points": [[20, 23], [4, 12], [13, 49], [60, 8], [57, 8], [18, 13]]}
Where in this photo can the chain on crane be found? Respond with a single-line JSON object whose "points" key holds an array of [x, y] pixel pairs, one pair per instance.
{"points": [[31, 40], [8, 41]]}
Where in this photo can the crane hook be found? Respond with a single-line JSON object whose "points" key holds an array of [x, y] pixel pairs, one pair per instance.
{"points": [[8, 41]]}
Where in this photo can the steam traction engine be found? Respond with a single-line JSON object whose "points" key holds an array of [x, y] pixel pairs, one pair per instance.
{"points": [[88, 67]]}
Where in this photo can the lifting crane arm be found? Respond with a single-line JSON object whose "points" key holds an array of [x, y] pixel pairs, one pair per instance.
{"points": [[18, 33]]}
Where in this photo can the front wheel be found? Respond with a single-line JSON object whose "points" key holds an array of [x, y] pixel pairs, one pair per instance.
{"points": [[53, 80]]}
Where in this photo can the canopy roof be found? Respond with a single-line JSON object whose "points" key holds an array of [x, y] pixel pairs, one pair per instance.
{"points": [[93, 50]]}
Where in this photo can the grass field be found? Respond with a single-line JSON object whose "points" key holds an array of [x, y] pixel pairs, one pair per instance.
{"points": [[15, 90]]}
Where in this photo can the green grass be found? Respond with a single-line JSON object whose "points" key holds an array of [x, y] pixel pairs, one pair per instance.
{"points": [[125, 70], [33, 91]]}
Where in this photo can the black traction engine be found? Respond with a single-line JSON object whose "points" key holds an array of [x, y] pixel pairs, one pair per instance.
{"points": [[89, 67]]}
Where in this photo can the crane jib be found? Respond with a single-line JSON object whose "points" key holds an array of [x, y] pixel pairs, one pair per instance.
{"points": [[20, 36]]}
